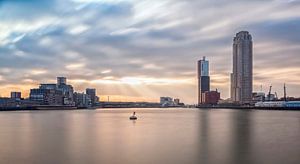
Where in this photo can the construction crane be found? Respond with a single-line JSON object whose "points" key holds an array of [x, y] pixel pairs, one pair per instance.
{"points": [[269, 94]]}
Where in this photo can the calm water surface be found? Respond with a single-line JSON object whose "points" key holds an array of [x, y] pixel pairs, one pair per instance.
{"points": [[168, 136]]}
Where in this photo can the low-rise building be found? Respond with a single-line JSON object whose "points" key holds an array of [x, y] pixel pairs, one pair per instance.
{"points": [[258, 96], [46, 96], [15, 95], [167, 101], [177, 101], [211, 97], [82, 100]]}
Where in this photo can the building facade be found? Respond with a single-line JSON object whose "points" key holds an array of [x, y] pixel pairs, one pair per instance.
{"points": [[15, 95], [210, 97], [203, 78], [82, 100], [54, 94], [67, 90], [92, 93], [166, 101], [46, 96], [241, 77], [61, 80]]}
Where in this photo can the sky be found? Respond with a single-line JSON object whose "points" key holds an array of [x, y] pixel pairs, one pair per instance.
{"points": [[139, 50]]}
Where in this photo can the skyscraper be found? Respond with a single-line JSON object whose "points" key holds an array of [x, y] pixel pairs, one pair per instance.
{"points": [[241, 77], [203, 78]]}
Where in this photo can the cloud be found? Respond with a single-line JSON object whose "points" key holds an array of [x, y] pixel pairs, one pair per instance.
{"points": [[111, 45]]}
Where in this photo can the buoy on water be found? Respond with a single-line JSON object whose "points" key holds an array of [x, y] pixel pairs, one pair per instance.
{"points": [[133, 117]]}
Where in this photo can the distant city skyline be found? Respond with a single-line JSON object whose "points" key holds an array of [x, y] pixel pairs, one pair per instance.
{"points": [[134, 50]]}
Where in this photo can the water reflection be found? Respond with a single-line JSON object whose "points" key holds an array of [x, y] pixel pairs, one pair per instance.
{"points": [[158, 136]]}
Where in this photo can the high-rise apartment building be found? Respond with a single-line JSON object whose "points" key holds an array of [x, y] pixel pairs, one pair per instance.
{"points": [[203, 78], [241, 77]]}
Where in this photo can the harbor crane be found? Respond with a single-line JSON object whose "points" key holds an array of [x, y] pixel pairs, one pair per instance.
{"points": [[269, 94]]}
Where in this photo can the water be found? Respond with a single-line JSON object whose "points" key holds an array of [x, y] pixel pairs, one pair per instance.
{"points": [[175, 136]]}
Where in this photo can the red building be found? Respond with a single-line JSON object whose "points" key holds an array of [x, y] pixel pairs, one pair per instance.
{"points": [[210, 97]]}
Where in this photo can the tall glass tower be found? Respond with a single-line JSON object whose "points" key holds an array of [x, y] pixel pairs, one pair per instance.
{"points": [[241, 77], [203, 78]]}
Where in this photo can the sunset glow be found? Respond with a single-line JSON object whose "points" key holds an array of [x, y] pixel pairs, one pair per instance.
{"points": [[141, 50]]}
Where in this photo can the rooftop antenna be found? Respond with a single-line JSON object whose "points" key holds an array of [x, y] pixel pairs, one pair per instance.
{"points": [[203, 58]]}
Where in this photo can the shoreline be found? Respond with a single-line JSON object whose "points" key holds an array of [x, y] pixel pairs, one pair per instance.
{"points": [[251, 108], [36, 108]]}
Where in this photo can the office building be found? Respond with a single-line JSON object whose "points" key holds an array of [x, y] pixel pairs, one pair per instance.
{"points": [[241, 77], [92, 93], [203, 78]]}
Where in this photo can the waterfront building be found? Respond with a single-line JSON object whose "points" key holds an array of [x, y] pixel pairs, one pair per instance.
{"points": [[15, 95], [61, 80], [67, 91], [203, 78], [166, 101], [177, 101], [210, 97], [54, 94], [92, 93], [82, 100], [46, 96], [258, 96], [48, 86], [241, 77]]}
